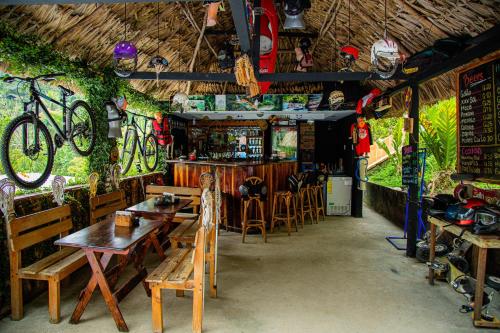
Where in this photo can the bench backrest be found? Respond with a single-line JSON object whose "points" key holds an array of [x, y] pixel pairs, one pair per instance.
{"points": [[103, 205], [192, 193], [29, 230]]}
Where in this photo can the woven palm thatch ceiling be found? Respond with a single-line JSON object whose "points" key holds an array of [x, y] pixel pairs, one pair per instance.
{"points": [[90, 31]]}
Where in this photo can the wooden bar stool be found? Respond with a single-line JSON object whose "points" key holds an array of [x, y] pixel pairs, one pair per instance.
{"points": [[286, 199], [305, 203], [250, 221], [319, 203]]}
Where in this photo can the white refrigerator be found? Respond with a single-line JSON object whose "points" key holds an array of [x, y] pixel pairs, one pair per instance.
{"points": [[338, 195]]}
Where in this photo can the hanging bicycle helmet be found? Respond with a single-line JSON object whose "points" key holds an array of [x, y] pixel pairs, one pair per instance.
{"points": [[349, 54], [336, 99], [226, 56], [125, 58], [385, 57], [180, 102], [294, 13]]}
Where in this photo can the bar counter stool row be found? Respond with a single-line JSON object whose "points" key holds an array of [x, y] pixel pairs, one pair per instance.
{"points": [[304, 199]]}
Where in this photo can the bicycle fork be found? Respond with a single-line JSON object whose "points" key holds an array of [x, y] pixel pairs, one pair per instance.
{"points": [[25, 136]]}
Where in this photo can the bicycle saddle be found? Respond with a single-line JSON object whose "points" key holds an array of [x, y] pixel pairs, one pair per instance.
{"points": [[66, 91]]}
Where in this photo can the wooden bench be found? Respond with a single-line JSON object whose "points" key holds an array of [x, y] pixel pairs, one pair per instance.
{"points": [[23, 232], [184, 269], [101, 206]]}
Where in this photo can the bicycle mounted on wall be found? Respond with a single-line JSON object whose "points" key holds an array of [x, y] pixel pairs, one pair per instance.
{"points": [[27, 151], [148, 145]]}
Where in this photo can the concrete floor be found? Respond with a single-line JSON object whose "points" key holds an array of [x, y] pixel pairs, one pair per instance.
{"points": [[338, 276]]}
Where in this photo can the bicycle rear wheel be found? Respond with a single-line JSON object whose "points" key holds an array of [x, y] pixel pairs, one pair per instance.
{"points": [[150, 152], [128, 149], [81, 126], [27, 165]]}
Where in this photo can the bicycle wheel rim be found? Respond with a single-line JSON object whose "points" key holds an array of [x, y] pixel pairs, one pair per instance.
{"points": [[128, 150], [28, 170], [150, 153], [82, 129]]}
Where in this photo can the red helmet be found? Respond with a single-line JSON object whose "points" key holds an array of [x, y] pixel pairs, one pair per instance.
{"points": [[349, 52]]}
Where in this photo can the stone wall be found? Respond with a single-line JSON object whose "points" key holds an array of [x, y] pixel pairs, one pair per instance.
{"points": [[78, 198], [387, 202]]}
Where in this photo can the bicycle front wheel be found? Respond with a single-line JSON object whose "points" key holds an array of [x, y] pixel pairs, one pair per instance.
{"points": [[81, 126], [24, 161], [128, 149], [150, 152]]}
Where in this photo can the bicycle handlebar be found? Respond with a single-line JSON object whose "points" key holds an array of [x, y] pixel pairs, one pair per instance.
{"points": [[46, 77]]}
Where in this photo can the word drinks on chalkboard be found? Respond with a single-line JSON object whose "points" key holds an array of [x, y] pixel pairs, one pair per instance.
{"points": [[479, 121]]}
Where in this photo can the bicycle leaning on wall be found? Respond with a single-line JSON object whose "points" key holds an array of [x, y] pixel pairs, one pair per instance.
{"points": [[27, 150]]}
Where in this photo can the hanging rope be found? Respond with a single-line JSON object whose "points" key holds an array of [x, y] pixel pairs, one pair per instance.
{"points": [[158, 26], [385, 19], [349, 24], [125, 21]]}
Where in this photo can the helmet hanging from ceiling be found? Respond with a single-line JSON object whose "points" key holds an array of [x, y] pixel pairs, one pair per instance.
{"points": [[226, 56], [385, 57], [125, 58]]}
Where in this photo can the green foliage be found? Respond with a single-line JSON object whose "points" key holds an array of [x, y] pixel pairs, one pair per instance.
{"points": [[398, 141], [27, 55], [437, 134]]}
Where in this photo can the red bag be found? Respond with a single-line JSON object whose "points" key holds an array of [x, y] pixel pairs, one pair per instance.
{"points": [[162, 132]]}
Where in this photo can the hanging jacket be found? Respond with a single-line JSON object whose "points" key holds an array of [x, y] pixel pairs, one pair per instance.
{"points": [[162, 132]]}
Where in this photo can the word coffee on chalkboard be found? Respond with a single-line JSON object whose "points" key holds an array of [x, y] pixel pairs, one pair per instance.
{"points": [[478, 127], [410, 165]]}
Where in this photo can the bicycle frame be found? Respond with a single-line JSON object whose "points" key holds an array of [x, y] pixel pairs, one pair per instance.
{"points": [[36, 98], [137, 128]]}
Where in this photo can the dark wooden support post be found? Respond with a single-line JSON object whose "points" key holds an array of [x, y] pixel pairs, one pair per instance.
{"points": [[411, 243]]}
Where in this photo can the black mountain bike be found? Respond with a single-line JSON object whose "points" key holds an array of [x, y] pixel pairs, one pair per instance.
{"points": [[27, 150], [148, 145]]}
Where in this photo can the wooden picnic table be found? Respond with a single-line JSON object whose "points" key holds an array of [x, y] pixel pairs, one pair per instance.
{"points": [[103, 238], [148, 209], [482, 243]]}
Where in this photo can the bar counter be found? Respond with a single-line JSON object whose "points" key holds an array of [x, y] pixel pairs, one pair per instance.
{"points": [[232, 175]]}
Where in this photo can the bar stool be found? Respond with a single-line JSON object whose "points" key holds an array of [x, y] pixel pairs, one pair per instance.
{"points": [[305, 203], [287, 199], [319, 203], [247, 200]]}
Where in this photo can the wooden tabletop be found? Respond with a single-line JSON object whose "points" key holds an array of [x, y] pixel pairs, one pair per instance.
{"points": [[484, 241], [149, 207], [105, 236]]}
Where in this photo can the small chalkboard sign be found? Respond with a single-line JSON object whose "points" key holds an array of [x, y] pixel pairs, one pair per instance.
{"points": [[410, 165], [478, 121]]}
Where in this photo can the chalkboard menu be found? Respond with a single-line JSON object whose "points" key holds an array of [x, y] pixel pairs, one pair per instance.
{"points": [[478, 126], [410, 165]]}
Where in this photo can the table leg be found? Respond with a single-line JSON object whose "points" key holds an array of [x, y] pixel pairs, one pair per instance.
{"points": [[86, 294], [98, 269], [481, 270], [432, 252], [157, 246]]}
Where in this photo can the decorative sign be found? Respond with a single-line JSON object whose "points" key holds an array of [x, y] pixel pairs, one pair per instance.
{"points": [[307, 142], [478, 112], [269, 102], [410, 165]]}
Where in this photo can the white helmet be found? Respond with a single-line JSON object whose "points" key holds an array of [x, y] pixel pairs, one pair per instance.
{"points": [[180, 102], [336, 99], [385, 57]]}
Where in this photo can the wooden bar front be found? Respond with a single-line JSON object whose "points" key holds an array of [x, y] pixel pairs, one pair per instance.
{"points": [[233, 174]]}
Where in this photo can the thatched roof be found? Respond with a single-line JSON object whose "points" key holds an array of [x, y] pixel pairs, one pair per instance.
{"points": [[90, 32]]}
